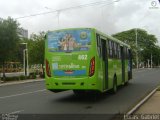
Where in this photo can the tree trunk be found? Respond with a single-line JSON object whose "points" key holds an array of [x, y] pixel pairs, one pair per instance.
{"points": [[42, 70], [3, 68]]}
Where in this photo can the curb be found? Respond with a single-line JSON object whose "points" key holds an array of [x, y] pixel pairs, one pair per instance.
{"points": [[20, 82], [141, 102]]}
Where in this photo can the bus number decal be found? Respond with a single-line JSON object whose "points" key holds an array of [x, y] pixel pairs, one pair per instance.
{"points": [[82, 57]]}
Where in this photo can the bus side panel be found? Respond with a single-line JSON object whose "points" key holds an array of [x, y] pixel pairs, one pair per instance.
{"points": [[99, 73], [110, 73], [99, 63], [126, 70], [118, 71]]}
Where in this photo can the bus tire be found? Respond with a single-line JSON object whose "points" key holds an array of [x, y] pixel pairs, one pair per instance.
{"points": [[126, 83], [114, 89]]}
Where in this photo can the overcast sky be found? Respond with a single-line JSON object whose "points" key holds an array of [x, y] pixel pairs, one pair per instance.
{"points": [[111, 17]]}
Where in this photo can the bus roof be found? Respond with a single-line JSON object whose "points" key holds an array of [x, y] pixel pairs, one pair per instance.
{"points": [[99, 32], [112, 38]]}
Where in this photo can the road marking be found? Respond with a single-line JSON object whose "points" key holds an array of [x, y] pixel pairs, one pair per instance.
{"points": [[15, 112], [22, 94]]}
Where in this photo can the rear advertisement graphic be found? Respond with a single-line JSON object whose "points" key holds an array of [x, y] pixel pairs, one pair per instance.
{"points": [[70, 40]]}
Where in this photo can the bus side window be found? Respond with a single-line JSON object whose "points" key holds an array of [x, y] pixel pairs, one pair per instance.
{"points": [[99, 45], [119, 52], [107, 50], [126, 53], [112, 44], [110, 49], [113, 53], [115, 50]]}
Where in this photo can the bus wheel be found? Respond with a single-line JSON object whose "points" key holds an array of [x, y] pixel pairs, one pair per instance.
{"points": [[126, 83], [114, 89]]}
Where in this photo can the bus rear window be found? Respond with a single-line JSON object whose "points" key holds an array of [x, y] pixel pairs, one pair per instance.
{"points": [[69, 40]]}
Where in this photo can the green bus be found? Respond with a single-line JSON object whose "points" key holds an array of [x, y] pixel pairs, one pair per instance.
{"points": [[85, 59]]}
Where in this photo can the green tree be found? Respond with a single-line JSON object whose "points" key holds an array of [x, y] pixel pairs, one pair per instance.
{"points": [[8, 40], [36, 49], [146, 43]]}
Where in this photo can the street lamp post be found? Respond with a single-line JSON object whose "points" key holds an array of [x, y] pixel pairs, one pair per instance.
{"points": [[151, 60], [25, 60], [136, 49], [148, 63]]}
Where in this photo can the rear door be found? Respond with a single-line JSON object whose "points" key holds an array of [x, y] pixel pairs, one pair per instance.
{"points": [[105, 62], [129, 64], [102, 48], [123, 64]]}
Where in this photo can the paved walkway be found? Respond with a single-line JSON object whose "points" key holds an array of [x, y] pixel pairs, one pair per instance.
{"points": [[20, 81], [151, 106]]}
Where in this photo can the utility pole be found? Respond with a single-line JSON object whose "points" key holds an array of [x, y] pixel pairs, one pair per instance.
{"points": [[58, 15], [136, 49], [25, 59], [148, 63], [24, 62], [151, 60]]}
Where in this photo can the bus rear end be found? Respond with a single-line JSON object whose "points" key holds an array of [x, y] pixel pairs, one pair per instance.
{"points": [[70, 60]]}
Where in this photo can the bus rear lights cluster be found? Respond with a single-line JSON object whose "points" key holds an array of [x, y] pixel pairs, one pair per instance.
{"points": [[92, 67], [48, 69]]}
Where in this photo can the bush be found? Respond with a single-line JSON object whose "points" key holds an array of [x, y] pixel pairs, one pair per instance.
{"points": [[12, 78], [32, 75], [158, 89], [22, 77], [16, 78], [28, 77], [41, 75]]}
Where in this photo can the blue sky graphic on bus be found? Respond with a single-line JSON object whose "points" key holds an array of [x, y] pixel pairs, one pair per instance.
{"points": [[69, 40]]}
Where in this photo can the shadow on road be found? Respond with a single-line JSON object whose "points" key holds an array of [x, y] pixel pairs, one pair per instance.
{"points": [[88, 97]]}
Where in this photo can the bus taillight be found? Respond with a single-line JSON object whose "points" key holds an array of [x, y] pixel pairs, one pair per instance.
{"points": [[92, 67], [48, 69]]}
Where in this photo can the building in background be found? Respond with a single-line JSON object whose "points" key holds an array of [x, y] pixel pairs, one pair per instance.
{"points": [[23, 33]]}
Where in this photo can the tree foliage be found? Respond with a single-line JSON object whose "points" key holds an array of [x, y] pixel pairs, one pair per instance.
{"points": [[8, 40], [146, 44], [36, 48]]}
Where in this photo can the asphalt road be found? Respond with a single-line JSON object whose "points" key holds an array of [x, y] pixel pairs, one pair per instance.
{"points": [[32, 98]]}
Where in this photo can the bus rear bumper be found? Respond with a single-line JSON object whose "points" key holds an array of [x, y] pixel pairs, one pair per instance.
{"points": [[57, 85]]}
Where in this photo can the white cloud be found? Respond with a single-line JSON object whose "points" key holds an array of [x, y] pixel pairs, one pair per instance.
{"points": [[112, 18]]}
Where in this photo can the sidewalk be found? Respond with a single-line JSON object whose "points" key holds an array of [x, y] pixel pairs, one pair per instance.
{"points": [[20, 81], [151, 106]]}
